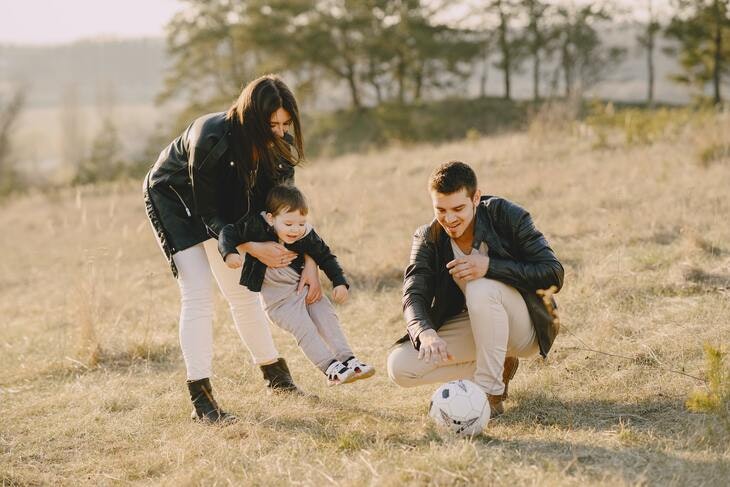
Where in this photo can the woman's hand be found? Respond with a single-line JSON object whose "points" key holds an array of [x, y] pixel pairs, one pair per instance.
{"points": [[469, 267], [433, 347], [340, 293], [234, 261], [310, 277], [272, 254]]}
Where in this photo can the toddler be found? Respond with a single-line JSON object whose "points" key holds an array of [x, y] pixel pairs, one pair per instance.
{"points": [[315, 326]]}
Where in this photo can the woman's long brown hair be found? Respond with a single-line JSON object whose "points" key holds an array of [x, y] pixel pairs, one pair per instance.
{"points": [[255, 145]]}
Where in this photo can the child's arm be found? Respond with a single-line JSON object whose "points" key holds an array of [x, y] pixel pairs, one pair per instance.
{"points": [[313, 245], [229, 238]]}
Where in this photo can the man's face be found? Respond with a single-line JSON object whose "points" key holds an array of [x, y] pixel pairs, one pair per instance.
{"points": [[289, 226], [454, 211]]}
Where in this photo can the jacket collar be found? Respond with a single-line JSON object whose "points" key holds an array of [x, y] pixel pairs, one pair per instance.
{"points": [[484, 228]]}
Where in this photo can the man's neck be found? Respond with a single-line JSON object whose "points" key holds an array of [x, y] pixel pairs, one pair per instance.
{"points": [[466, 239]]}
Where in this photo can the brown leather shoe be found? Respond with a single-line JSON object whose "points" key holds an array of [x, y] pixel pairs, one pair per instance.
{"points": [[510, 369], [495, 405]]}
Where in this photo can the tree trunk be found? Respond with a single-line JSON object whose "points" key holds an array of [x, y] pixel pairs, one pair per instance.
{"points": [[504, 47], [536, 76], [717, 68], [485, 73], [650, 67]]}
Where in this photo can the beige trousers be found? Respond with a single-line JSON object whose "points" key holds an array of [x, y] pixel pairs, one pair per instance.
{"points": [[495, 325]]}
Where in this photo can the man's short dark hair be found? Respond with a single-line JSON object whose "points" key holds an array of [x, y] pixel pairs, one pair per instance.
{"points": [[286, 198], [450, 177]]}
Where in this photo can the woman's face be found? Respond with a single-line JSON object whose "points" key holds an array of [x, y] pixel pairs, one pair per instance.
{"points": [[280, 122]]}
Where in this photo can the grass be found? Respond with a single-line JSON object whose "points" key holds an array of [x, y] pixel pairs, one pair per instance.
{"points": [[93, 382]]}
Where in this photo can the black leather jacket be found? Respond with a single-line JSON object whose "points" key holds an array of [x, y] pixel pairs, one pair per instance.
{"points": [[257, 230], [519, 256], [194, 189]]}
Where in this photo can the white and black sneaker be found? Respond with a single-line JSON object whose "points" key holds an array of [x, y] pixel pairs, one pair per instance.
{"points": [[362, 371], [339, 373]]}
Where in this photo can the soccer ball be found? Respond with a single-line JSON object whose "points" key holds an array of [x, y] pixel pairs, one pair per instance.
{"points": [[460, 406]]}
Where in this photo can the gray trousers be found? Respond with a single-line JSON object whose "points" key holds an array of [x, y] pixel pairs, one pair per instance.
{"points": [[315, 326]]}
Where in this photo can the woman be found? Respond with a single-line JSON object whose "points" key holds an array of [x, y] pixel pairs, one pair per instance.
{"points": [[218, 171]]}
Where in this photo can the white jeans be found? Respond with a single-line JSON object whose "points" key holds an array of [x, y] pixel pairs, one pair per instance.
{"points": [[194, 266], [496, 325]]}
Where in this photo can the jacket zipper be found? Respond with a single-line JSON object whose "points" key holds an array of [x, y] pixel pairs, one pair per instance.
{"points": [[187, 210]]}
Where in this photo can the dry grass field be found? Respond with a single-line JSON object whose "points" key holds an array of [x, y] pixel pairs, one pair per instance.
{"points": [[93, 384]]}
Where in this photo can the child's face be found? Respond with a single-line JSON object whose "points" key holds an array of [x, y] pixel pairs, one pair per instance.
{"points": [[288, 225]]}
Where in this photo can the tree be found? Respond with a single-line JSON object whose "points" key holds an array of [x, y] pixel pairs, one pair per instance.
{"points": [[104, 162], [509, 47], [72, 136], [584, 60], [647, 40], [702, 30], [538, 38], [9, 114]]}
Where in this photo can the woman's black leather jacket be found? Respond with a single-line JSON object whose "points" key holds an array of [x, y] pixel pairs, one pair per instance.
{"points": [[195, 188]]}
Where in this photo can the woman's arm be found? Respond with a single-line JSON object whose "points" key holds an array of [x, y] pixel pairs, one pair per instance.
{"points": [[310, 277]]}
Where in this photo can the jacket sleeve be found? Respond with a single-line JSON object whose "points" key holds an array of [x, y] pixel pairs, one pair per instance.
{"points": [[419, 286], [228, 239], [317, 249], [203, 167], [537, 267], [248, 229]]}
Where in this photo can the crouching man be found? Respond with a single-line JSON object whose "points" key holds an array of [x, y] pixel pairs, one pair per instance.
{"points": [[470, 291]]}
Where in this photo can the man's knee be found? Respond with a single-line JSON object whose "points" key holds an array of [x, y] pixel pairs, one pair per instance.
{"points": [[482, 292], [398, 366]]}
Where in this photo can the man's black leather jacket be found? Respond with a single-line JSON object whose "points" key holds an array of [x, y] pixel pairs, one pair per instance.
{"points": [[257, 230], [519, 256]]}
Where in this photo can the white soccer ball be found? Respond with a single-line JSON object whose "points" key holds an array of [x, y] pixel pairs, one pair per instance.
{"points": [[460, 406]]}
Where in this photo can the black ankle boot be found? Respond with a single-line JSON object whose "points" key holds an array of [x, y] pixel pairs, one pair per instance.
{"points": [[204, 406], [278, 378]]}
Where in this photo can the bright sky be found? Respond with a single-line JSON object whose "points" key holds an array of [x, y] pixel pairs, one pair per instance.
{"points": [[61, 21]]}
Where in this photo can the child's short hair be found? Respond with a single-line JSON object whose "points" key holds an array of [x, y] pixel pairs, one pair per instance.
{"points": [[284, 198], [451, 177]]}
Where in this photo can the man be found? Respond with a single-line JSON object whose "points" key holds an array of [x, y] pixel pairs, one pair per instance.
{"points": [[470, 291]]}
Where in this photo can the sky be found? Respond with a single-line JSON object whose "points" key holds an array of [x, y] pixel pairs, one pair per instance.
{"points": [[63, 21]]}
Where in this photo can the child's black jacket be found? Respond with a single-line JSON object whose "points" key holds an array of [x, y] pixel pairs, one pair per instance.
{"points": [[257, 230]]}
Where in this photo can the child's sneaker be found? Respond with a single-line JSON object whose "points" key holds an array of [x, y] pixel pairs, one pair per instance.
{"points": [[362, 371], [339, 373]]}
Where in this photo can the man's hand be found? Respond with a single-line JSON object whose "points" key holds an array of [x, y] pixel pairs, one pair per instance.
{"points": [[272, 254], [433, 348], [310, 277], [234, 261], [340, 293], [469, 267]]}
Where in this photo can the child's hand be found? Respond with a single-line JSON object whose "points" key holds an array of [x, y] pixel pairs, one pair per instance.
{"points": [[340, 293], [234, 261]]}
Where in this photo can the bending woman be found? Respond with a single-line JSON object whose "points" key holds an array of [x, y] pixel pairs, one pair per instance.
{"points": [[218, 171]]}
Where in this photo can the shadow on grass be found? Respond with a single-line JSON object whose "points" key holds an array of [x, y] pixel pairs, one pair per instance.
{"points": [[660, 416], [634, 464], [156, 357]]}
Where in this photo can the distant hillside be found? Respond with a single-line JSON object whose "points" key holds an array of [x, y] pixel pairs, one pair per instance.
{"points": [[133, 69]]}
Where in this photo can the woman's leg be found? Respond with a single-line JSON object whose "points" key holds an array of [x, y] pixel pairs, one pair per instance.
{"points": [[196, 311], [248, 315]]}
